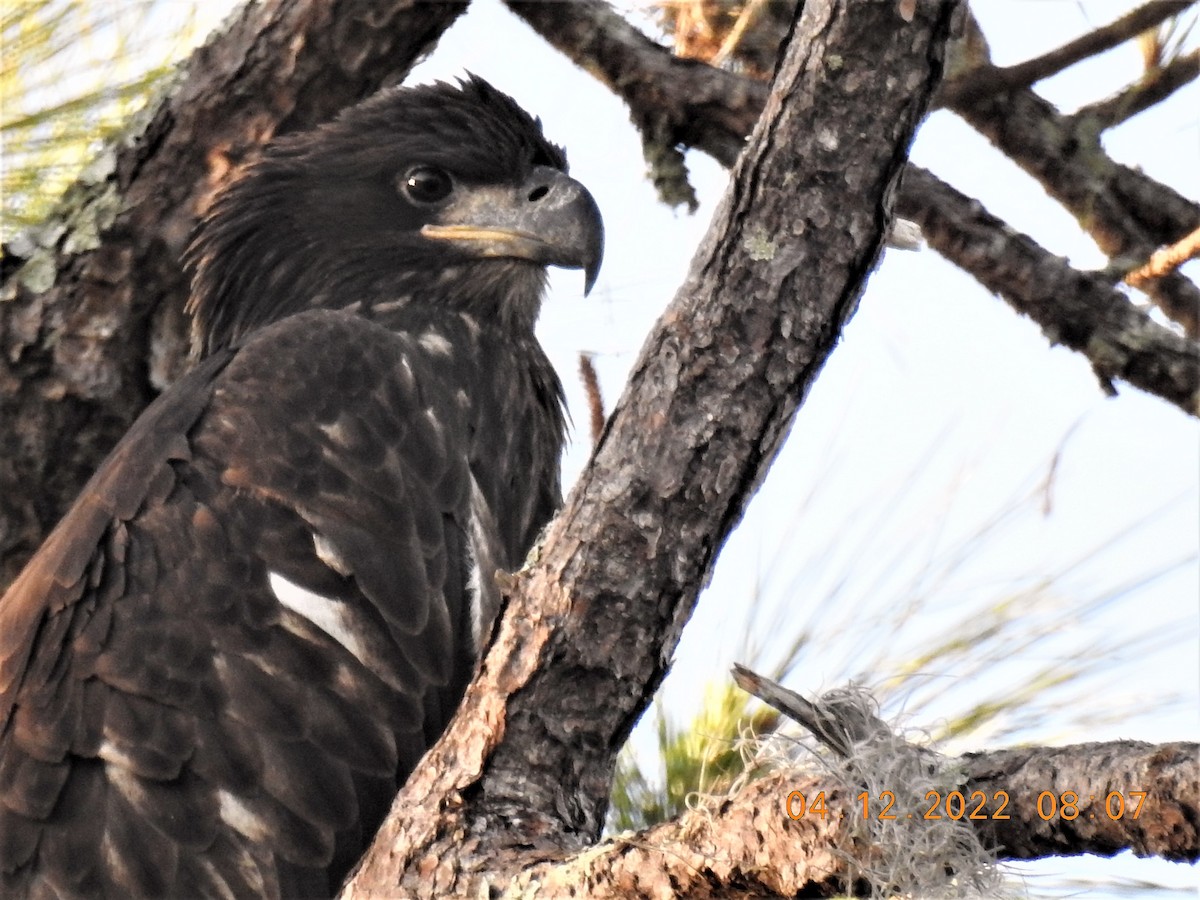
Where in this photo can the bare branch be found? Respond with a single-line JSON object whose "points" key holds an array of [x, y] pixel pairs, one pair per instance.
{"points": [[1166, 260], [1156, 811], [1119, 206], [1156, 86], [1166, 825], [675, 100], [1127, 213], [837, 726], [988, 79], [1124, 209], [792, 832], [745, 847], [1076, 309], [1027, 803]]}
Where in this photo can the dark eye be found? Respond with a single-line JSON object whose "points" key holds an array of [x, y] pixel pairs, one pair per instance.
{"points": [[426, 184]]}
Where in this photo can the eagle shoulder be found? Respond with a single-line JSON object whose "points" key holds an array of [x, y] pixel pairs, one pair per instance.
{"points": [[159, 673]]}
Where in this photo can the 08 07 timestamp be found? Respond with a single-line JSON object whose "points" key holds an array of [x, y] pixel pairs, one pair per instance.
{"points": [[977, 805]]}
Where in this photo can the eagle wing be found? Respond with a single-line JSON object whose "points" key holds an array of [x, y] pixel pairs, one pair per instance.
{"points": [[248, 628]]}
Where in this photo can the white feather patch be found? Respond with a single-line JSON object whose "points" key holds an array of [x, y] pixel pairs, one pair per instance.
{"points": [[329, 555], [326, 613], [240, 817], [335, 432], [118, 760], [475, 589], [481, 562], [471, 323], [435, 343], [388, 306]]}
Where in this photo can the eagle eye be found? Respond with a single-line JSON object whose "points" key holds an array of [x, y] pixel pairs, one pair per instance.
{"points": [[426, 184]]}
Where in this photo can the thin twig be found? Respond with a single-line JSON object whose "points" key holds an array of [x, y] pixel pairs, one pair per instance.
{"points": [[837, 725], [591, 387], [1156, 86], [988, 80], [1166, 260]]}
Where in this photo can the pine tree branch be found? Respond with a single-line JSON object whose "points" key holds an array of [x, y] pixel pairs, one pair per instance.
{"points": [[767, 840], [679, 101], [988, 80], [1127, 213], [1027, 803], [1167, 824], [1079, 310], [1155, 87], [1120, 206], [890, 815], [1099, 798]]}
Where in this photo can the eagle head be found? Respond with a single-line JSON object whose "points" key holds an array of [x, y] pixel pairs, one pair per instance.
{"points": [[445, 195]]}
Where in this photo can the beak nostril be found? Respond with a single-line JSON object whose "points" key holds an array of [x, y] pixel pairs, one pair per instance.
{"points": [[538, 193]]}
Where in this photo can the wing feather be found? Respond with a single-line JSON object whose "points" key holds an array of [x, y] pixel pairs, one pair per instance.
{"points": [[167, 725]]}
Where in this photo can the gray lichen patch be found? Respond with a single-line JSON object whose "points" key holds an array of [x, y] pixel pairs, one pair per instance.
{"points": [[88, 221], [39, 271], [759, 244], [102, 165]]}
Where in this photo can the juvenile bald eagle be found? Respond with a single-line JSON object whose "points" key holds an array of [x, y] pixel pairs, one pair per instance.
{"points": [[267, 602]]}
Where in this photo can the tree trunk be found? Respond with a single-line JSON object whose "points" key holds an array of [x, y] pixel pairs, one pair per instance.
{"points": [[522, 775]]}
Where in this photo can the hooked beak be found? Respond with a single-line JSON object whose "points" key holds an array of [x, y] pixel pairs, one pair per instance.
{"points": [[550, 219]]}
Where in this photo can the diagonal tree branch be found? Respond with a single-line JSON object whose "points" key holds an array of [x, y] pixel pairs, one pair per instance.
{"points": [[1098, 195], [1166, 260], [595, 619], [678, 100], [1076, 309], [1155, 87], [1127, 213], [987, 79]]}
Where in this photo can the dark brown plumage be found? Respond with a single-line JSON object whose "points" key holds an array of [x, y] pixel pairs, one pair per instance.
{"points": [[266, 603]]}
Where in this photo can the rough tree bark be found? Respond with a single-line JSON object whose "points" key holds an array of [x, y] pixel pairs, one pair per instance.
{"points": [[1129, 214], [752, 844], [523, 773]]}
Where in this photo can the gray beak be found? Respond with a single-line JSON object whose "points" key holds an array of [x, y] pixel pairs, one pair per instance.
{"points": [[549, 219]]}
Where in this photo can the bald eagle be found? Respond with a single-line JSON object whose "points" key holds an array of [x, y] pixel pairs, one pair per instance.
{"points": [[266, 603]]}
